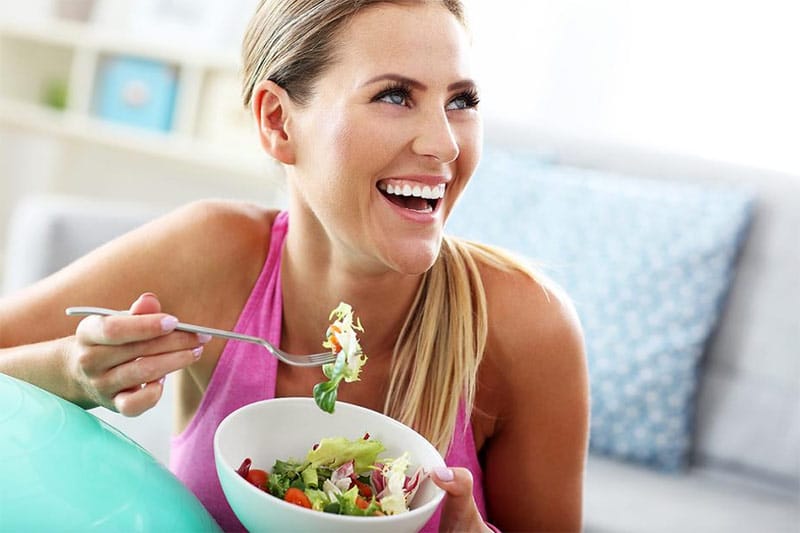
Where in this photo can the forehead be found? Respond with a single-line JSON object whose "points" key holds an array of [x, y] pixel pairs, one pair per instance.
{"points": [[419, 41]]}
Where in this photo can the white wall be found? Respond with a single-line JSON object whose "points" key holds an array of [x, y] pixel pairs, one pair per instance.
{"points": [[710, 78]]}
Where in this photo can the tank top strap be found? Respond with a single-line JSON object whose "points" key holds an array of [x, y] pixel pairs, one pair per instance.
{"points": [[244, 374]]}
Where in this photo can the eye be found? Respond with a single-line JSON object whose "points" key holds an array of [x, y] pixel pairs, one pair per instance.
{"points": [[466, 100], [395, 94]]}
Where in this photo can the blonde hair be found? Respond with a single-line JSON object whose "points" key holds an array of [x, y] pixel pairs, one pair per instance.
{"points": [[439, 350], [292, 42]]}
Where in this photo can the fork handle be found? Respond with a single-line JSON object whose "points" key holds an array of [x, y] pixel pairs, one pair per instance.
{"points": [[191, 328]]}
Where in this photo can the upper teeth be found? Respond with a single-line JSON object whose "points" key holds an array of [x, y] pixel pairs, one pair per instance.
{"points": [[405, 189]]}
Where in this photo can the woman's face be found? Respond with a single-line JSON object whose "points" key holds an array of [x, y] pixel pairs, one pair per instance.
{"points": [[390, 138]]}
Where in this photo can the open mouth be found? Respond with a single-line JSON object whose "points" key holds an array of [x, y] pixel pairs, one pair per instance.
{"points": [[411, 195]]}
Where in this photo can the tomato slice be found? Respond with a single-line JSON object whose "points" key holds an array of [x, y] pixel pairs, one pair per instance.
{"points": [[297, 497], [258, 478], [333, 340], [363, 489], [336, 347], [361, 503]]}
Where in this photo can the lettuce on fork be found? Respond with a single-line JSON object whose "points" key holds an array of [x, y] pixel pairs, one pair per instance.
{"points": [[341, 339]]}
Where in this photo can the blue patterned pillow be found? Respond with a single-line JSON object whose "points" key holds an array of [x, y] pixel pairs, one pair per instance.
{"points": [[647, 263]]}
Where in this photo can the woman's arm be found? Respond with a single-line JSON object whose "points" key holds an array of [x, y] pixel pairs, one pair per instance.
{"points": [[534, 460], [118, 363], [182, 257]]}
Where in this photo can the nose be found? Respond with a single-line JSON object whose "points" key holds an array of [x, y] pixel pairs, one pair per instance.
{"points": [[435, 138]]}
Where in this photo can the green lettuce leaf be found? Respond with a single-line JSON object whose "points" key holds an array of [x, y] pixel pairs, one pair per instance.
{"points": [[334, 452], [350, 359]]}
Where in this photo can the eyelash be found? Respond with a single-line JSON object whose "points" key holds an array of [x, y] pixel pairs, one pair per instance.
{"points": [[394, 89], [470, 96]]}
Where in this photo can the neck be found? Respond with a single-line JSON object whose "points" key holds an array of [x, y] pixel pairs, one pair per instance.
{"points": [[315, 278]]}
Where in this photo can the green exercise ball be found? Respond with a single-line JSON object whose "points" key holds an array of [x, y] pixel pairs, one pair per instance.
{"points": [[64, 469]]}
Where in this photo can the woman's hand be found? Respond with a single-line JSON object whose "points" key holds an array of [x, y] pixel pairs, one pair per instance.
{"points": [[459, 512], [121, 362]]}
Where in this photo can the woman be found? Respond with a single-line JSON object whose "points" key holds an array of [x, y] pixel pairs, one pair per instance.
{"points": [[361, 103]]}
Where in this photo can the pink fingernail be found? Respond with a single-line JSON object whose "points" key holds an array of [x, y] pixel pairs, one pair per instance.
{"points": [[197, 352], [162, 380], [203, 338], [443, 473], [168, 323]]}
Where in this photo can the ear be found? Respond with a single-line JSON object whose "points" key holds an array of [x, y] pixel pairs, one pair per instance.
{"points": [[271, 106]]}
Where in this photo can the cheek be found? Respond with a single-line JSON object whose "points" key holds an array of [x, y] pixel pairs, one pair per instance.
{"points": [[339, 141], [363, 148], [340, 146], [471, 153], [341, 161], [319, 132], [471, 145]]}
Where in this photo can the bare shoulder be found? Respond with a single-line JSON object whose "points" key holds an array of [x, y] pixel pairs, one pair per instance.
{"points": [[222, 215], [200, 256], [193, 246], [533, 384], [535, 349], [218, 227], [531, 317], [216, 247]]}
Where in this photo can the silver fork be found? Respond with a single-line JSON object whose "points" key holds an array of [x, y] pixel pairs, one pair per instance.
{"points": [[316, 359]]}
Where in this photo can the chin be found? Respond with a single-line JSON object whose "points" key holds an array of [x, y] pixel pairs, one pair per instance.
{"points": [[415, 258]]}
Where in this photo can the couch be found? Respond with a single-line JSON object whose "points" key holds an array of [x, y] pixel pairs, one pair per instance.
{"points": [[740, 468]]}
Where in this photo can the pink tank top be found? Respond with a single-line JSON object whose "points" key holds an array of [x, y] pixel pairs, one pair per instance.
{"points": [[243, 375]]}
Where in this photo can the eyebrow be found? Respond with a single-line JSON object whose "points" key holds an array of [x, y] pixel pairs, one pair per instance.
{"points": [[462, 84]]}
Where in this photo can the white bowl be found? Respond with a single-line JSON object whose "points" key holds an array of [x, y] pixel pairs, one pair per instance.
{"points": [[286, 428]]}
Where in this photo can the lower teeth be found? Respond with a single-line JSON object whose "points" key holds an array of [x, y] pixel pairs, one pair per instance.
{"points": [[413, 203]]}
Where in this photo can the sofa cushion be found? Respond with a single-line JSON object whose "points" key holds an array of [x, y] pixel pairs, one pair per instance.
{"points": [[47, 232], [749, 404], [647, 263]]}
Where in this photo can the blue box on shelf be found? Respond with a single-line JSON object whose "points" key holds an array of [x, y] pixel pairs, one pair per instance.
{"points": [[137, 91]]}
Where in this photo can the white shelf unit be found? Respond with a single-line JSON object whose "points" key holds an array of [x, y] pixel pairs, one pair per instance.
{"points": [[209, 127]]}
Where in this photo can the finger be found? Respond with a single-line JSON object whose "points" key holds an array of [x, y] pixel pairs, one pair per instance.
{"points": [[459, 512], [137, 400], [145, 369], [99, 358], [116, 330], [96, 359], [147, 303], [456, 482]]}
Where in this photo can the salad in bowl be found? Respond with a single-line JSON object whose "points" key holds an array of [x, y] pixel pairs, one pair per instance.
{"points": [[278, 437], [341, 476]]}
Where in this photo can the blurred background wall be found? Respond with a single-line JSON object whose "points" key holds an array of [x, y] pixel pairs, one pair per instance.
{"points": [[709, 78]]}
